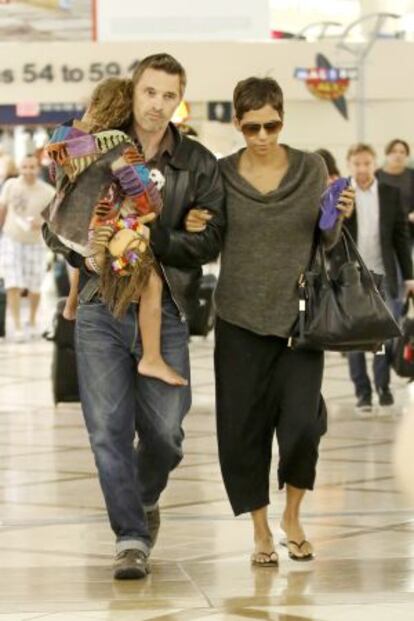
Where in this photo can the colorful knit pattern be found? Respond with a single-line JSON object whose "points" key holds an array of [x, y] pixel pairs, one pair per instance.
{"points": [[134, 179], [75, 150], [127, 194]]}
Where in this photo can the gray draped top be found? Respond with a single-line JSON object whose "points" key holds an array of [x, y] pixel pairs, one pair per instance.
{"points": [[268, 243]]}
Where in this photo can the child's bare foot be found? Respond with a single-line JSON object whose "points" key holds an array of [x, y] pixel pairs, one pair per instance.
{"points": [[69, 311], [162, 371]]}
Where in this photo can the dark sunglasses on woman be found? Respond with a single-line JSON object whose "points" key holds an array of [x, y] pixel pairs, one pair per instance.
{"points": [[252, 129]]}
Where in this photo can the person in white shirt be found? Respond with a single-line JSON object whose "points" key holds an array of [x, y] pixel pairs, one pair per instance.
{"points": [[379, 225], [23, 253]]}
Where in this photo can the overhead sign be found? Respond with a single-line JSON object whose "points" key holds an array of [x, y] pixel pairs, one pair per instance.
{"points": [[184, 20], [62, 72], [327, 82]]}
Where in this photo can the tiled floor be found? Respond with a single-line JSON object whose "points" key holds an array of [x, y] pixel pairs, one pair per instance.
{"points": [[56, 547], [21, 22]]}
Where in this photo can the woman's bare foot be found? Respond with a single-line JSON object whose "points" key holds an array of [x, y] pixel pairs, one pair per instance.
{"points": [[161, 370], [298, 546], [264, 553]]}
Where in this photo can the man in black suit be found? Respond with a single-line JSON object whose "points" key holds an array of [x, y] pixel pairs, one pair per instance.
{"points": [[380, 228]]}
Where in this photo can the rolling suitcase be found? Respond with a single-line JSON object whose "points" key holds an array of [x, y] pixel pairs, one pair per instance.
{"points": [[64, 373], [201, 322]]}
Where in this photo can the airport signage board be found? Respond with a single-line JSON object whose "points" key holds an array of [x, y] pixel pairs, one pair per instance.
{"points": [[182, 20], [62, 72]]}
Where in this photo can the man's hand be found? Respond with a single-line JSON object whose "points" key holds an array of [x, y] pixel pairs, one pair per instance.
{"points": [[346, 203], [196, 220], [409, 287]]}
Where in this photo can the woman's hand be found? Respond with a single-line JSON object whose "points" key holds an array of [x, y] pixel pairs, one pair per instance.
{"points": [[346, 203], [196, 220], [411, 216]]}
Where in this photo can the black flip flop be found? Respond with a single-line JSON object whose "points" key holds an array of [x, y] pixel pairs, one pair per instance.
{"points": [[294, 557]]}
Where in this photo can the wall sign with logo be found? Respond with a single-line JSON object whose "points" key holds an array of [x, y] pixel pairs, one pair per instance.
{"points": [[327, 82]]}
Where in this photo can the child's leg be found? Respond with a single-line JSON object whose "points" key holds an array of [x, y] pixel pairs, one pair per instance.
{"points": [[152, 364], [69, 312]]}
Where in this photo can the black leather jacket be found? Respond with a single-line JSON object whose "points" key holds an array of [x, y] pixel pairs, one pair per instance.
{"points": [[192, 179]]}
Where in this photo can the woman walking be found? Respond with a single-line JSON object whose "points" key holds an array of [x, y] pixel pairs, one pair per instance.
{"points": [[263, 386]]}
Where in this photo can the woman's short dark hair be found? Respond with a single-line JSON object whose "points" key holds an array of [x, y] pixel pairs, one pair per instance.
{"points": [[394, 143], [255, 93], [330, 162]]}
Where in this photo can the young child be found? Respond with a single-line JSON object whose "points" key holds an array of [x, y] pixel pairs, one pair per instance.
{"points": [[104, 197]]}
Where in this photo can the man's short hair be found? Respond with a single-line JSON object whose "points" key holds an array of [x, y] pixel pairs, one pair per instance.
{"points": [[161, 62], [255, 93], [361, 147]]}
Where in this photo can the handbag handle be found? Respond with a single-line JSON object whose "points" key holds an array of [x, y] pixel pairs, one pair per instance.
{"points": [[350, 248], [351, 243]]}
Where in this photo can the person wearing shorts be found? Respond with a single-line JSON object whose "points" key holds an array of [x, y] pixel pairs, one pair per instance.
{"points": [[22, 252]]}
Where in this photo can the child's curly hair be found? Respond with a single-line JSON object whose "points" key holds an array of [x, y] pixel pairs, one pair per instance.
{"points": [[110, 106]]}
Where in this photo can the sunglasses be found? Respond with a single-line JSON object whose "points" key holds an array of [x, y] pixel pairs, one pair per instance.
{"points": [[252, 129]]}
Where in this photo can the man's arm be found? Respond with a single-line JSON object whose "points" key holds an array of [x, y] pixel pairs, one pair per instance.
{"points": [[179, 248]]}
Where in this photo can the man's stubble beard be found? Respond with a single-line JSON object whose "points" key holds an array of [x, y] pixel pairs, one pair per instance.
{"points": [[152, 127]]}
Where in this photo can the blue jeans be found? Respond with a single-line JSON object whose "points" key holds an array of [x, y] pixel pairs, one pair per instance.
{"points": [[381, 364], [118, 404]]}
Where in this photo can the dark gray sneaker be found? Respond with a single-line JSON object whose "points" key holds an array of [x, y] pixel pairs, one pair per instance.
{"points": [[154, 521], [364, 403], [385, 397], [131, 565]]}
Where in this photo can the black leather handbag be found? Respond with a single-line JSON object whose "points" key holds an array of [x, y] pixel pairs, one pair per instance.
{"points": [[345, 311]]}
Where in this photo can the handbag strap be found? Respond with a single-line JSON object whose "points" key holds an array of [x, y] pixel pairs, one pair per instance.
{"points": [[351, 244], [316, 243]]}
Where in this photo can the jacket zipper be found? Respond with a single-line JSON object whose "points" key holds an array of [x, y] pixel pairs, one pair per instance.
{"points": [[182, 316], [166, 174]]}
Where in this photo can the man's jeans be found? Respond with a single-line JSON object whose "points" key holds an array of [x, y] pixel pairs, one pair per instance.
{"points": [[118, 404], [381, 363]]}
